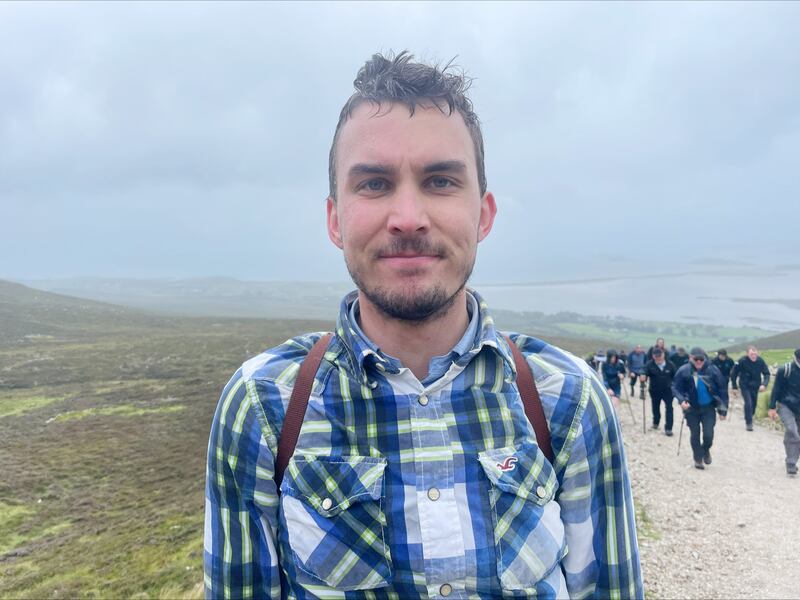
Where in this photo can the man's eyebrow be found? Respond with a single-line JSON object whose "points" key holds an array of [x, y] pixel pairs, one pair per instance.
{"points": [[445, 166], [370, 169]]}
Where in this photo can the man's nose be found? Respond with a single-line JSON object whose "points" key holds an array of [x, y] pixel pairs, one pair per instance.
{"points": [[408, 212]]}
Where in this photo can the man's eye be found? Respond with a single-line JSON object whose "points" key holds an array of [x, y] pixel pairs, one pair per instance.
{"points": [[440, 182], [374, 185]]}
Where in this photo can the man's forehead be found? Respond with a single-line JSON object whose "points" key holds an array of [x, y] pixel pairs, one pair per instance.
{"points": [[389, 133]]}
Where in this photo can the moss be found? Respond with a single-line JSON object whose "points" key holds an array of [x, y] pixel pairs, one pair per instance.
{"points": [[644, 525], [11, 406], [124, 410]]}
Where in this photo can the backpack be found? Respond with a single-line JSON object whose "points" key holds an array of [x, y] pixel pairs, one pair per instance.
{"points": [[296, 410]]}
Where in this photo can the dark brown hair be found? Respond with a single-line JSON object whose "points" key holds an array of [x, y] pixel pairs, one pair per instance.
{"points": [[397, 79]]}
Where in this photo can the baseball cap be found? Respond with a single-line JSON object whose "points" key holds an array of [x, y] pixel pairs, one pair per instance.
{"points": [[697, 351], [657, 352]]}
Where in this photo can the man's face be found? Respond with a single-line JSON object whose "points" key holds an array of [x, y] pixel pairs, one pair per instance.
{"points": [[408, 213], [639, 349], [659, 358], [752, 354]]}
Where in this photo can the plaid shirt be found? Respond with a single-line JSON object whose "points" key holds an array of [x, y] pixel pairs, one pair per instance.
{"points": [[407, 489]]}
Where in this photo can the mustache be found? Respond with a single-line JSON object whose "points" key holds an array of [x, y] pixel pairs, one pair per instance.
{"points": [[415, 245]]}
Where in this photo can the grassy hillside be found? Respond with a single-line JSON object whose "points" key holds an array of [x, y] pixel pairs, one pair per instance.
{"points": [[104, 421], [790, 339]]}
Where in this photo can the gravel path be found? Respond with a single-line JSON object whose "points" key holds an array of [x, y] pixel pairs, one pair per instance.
{"points": [[730, 531]]}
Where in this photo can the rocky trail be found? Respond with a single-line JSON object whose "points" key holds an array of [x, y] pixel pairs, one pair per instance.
{"points": [[729, 531]]}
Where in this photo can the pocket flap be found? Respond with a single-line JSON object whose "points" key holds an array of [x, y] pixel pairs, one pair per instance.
{"points": [[331, 484], [522, 470]]}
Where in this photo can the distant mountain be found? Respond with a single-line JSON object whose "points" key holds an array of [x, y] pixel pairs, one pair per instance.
{"points": [[210, 296], [781, 341], [27, 313]]}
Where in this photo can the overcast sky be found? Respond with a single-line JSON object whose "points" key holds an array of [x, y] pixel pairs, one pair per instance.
{"points": [[156, 140]]}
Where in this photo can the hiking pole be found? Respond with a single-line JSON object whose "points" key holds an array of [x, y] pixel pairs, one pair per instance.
{"points": [[680, 435], [644, 406], [628, 400]]}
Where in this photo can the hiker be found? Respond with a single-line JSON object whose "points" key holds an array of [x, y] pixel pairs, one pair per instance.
{"points": [[724, 363], [623, 357], [636, 361], [680, 357], [659, 344], [751, 374], [411, 467], [785, 401], [702, 393], [659, 373], [613, 373]]}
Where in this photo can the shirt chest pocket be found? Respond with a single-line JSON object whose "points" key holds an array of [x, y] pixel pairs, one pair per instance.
{"points": [[333, 514], [528, 532]]}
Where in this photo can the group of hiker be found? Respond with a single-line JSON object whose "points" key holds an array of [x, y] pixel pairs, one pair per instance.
{"points": [[700, 386]]}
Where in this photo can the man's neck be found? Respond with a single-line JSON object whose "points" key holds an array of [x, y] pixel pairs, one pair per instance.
{"points": [[415, 344]]}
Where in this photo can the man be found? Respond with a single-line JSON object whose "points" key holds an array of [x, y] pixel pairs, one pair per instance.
{"points": [[659, 344], [700, 389], [636, 361], [751, 374], [785, 401], [679, 358], [613, 372], [659, 372], [724, 363], [416, 473]]}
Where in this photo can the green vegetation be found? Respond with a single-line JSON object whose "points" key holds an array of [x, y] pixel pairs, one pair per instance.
{"points": [[104, 421]]}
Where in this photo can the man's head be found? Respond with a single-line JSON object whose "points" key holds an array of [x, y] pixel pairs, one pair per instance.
{"points": [[698, 357], [722, 354], [639, 348], [752, 353], [797, 356], [408, 202], [658, 355], [681, 351]]}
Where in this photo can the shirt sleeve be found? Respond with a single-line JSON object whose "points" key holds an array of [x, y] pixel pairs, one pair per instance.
{"points": [[765, 373], [240, 556], [597, 506], [777, 389]]}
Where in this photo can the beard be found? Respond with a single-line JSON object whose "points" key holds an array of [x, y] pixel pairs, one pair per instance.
{"points": [[413, 304]]}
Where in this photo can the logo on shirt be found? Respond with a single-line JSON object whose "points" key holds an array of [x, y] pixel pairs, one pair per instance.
{"points": [[508, 464]]}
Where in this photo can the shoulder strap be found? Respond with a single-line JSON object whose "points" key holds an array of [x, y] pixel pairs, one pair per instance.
{"points": [[531, 400], [298, 402]]}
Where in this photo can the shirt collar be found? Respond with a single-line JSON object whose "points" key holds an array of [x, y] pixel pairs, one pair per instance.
{"points": [[364, 354]]}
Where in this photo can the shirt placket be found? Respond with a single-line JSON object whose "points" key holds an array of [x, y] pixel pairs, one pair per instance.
{"points": [[440, 525]]}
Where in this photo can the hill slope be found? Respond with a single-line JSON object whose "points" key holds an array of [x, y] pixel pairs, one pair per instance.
{"points": [[789, 339]]}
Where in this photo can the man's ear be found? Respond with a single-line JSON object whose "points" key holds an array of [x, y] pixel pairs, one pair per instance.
{"points": [[333, 223], [488, 212]]}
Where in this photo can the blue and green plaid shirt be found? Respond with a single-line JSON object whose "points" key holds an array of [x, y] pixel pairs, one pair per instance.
{"points": [[407, 489]]}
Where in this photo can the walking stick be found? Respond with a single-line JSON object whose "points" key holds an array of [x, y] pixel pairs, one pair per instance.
{"points": [[644, 406], [680, 435], [628, 400]]}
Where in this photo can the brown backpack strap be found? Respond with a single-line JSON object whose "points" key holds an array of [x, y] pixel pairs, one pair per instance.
{"points": [[298, 402], [531, 401]]}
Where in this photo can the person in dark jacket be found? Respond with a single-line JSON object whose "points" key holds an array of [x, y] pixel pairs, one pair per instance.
{"points": [[680, 357], [636, 361], [751, 374], [613, 373], [659, 373], [785, 401], [659, 344], [724, 363], [701, 390]]}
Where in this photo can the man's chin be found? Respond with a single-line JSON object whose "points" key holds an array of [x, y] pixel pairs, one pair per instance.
{"points": [[419, 305]]}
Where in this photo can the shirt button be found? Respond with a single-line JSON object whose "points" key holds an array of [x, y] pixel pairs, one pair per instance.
{"points": [[423, 400], [433, 494], [541, 492], [446, 589], [327, 504]]}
